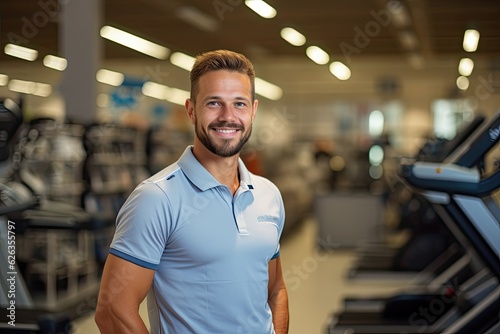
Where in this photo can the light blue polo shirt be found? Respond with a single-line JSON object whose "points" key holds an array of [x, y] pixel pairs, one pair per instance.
{"points": [[210, 249]]}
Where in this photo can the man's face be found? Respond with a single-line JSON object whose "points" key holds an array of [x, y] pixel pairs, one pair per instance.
{"points": [[224, 111]]}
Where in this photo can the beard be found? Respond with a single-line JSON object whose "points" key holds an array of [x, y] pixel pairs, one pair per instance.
{"points": [[225, 149]]}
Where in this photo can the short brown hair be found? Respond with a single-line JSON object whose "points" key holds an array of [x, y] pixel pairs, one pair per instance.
{"points": [[220, 60]]}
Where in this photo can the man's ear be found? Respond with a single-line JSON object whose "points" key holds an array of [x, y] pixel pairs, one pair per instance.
{"points": [[190, 110], [255, 105]]}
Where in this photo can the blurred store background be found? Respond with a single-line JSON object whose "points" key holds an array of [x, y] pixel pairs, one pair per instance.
{"points": [[92, 102]]}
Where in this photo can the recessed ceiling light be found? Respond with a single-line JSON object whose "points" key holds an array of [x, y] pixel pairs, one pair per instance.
{"points": [[340, 71], [134, 42], [471, 40], [262, 8], [110, 77], [462, 82], [317, 55], [465, 66], [4, 79], [21, 52], [292, 36], [56, 63], [268, 89], [182, 60]]}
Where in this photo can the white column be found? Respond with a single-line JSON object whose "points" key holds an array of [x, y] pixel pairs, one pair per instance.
{"points": [[80, 44]]}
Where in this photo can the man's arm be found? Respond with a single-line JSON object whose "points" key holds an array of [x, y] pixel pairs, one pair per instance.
{"points": [[124, 286], [278, 297]]}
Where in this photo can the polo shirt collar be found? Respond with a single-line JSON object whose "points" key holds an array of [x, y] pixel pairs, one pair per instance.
{"points": [[200, 177]]}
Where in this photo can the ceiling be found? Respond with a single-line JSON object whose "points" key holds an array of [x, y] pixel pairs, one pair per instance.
{"points": [[333, 25], [349, 31]]}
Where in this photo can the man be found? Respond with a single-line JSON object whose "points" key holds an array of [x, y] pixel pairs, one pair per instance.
{"points": [[201, 237]]}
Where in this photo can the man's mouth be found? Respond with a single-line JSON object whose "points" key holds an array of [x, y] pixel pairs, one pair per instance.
{"points": [[226, 131]]}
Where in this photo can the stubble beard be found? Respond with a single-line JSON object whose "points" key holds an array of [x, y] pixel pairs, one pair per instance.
{"points": [[225, 149]]}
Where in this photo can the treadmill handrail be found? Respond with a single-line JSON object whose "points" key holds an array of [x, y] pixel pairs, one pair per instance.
{"points": [[471, 152], [449, 183]]}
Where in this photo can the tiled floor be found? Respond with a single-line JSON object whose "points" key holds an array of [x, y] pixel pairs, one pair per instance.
{"points": [[315, 280]]}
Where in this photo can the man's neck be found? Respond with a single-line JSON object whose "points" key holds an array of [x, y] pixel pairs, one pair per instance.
{"points": [[224, 170]]}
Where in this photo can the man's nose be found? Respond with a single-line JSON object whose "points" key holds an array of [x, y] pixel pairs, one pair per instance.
{"points": [[227, 113]]}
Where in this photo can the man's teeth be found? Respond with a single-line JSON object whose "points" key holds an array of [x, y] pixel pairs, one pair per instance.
{"points": [[225, 131]]}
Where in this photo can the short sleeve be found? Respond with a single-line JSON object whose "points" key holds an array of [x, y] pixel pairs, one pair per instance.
{"points": [[281, 222], [142, 226]]}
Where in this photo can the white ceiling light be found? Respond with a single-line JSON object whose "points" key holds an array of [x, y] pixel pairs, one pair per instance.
{"points": [[462, 83], [4, 79], [42, 89], [56, 63], [162, 92], [177, 96], [182, 60], [465, 66], [134, 42], [268, 90], [30, 87], [154, 90], [261, 8], [21, 52], [317, 55], [197, 18], [340, 71], [471, 40], [376, 123], [110, 77], [292, 36]]}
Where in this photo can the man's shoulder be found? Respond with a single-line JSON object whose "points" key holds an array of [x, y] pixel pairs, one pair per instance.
{"points": [[262, 183], [160, 181]]}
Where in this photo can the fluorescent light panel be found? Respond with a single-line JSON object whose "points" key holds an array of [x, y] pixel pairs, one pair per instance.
{"points": [[162, 92], [30, 87], [177, 96], [154, 90], [471, 40], [4, 79], [465, 67], [462, 82], [292, 36], [182, 60], [21, 52], [56, 63], [110, 77], [134, 42], [340, 71], [317, 55], [267, 89], [262, 8]]}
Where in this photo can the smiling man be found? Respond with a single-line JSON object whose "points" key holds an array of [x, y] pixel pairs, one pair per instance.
{"points": [[201, 237]]}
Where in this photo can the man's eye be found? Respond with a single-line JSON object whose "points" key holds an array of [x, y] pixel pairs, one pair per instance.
{"points": [[213, 103], [240, 104]]}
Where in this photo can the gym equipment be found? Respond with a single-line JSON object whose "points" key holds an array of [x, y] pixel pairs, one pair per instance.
{"points": [[50, 257], [428, 240], [460, 191]]}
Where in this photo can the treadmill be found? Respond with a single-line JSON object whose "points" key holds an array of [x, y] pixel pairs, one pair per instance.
{"points": [[380, 261], [461, 196]]}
